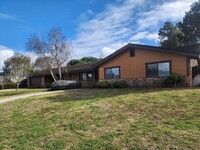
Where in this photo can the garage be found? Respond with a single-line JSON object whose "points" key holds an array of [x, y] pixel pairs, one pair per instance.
{"points": [[35, 82]]}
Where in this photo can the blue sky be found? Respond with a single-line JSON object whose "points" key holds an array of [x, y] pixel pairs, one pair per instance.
{"points": [[95, 27]]}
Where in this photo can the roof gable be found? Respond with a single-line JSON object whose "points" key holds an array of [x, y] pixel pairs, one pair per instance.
{"points": [[192, 51]]}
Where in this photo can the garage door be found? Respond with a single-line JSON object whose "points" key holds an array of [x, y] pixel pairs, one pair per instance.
{"points": [[36, 82]]}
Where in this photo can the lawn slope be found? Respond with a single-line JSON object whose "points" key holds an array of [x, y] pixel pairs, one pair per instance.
{"points": [[103, 119]]}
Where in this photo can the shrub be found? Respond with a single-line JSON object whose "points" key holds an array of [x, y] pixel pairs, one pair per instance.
{"points": [[102, 84], [119, 84], [173, 79], [10, 85]]}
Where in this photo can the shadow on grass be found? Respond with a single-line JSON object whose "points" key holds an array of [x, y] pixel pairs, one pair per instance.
{"points": [[99, 94]]}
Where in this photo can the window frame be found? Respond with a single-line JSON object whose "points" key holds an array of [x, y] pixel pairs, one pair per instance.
{"points": [[158, 62], [112, 68]]}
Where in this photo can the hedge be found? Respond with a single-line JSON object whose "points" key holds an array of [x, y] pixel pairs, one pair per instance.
{"points": [[106, 84], [102, 84]]}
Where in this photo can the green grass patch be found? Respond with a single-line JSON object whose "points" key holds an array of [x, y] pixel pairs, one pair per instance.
{"points": [[91, 119]]}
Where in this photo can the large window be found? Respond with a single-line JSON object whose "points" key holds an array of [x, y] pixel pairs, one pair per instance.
{"points": [[112, 73], [160, 69]]}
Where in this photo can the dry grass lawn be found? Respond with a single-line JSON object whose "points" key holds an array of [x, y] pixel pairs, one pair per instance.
{"points": [[92, 119]]}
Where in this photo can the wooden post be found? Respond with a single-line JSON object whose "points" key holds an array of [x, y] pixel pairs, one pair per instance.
{"points": [[43, 81], [28, 83]]}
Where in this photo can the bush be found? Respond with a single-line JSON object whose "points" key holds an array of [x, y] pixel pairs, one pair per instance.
{"points": [[106, 84], [65, 84], [119, 84], [173, 79], [102, 84], [10, 85]]}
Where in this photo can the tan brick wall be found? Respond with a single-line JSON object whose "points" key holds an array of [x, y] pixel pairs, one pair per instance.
{"points": [[134, 67]]}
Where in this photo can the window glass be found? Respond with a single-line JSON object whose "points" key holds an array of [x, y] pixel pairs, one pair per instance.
{"points": [[163, 69], [152, 70], [112, 73], [115, 72], [89, 77], [109, 73], [155, 70]]}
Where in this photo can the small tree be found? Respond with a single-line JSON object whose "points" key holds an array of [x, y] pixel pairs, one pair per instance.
{"points": [[17, 75], [55, 46], [173, 79], [17, 68]]}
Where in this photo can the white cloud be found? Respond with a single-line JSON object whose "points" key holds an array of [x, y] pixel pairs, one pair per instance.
{"points": [[126, 21], [6, 16], [105, 29], [145, 35], [105, 51], [172, 11], [5, 53]]}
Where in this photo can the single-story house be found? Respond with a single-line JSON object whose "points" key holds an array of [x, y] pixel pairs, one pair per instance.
{"points": [[139, 65]]}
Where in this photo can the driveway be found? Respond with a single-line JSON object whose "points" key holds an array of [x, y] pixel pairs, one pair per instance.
{"points": [[27, 95], [7, 90]]}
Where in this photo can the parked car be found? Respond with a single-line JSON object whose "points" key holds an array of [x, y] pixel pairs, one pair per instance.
{"points": [[65, 84]]}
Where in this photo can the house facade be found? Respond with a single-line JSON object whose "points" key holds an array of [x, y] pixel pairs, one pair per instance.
{"points": [[138, 65]]}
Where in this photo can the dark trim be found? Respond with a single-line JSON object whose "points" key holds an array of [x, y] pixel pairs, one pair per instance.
{"points": [[188, 65], [157, 62], [132, 52], [110, 68]]}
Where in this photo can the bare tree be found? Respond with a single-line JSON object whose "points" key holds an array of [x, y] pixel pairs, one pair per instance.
{"points": [[55, 46], [43, 63]]}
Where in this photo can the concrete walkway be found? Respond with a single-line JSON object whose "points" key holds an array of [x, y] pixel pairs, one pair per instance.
{"points": [[28, 95], [7, 90]]}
